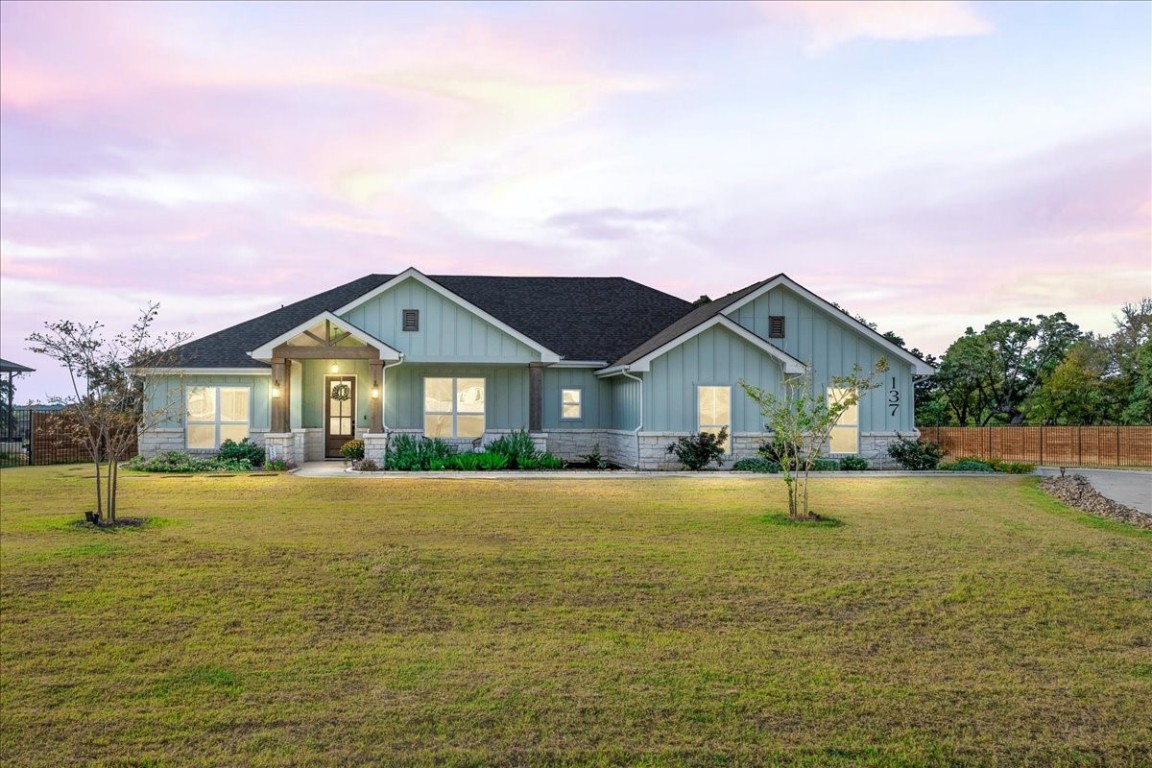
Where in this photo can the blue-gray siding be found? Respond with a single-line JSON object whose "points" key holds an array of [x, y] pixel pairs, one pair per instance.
{"points": [[448, 332], [831, 348]]}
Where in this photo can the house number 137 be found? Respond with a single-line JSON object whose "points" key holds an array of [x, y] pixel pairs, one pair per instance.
{"points": [[893, 398]]}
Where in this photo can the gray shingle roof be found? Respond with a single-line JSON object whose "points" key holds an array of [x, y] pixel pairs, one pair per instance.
{"points": [[689, 321], [579, 318]]}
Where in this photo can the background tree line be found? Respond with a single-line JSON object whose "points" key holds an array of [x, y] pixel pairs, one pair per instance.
{"points": [[1043, 370]]}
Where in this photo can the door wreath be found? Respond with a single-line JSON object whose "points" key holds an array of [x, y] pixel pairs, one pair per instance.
{"points": [[341, 392]]}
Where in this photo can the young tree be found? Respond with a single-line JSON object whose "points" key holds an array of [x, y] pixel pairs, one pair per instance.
{"points": [[804, 418], [109, 399]]}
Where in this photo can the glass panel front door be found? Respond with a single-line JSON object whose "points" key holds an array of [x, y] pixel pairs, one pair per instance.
{"points": [[339, 413]]}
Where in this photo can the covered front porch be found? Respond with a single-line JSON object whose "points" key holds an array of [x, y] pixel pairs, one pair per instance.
{"points": [[327, 388]]}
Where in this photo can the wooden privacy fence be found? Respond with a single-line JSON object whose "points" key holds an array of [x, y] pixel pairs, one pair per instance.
{"points": [[52, 437], [1068, 446]]}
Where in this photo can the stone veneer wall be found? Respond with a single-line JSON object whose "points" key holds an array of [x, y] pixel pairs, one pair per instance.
{"points": [[161, 439], [618, 446]]}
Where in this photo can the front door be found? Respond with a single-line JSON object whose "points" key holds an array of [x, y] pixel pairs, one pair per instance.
{"points": [[339, 413]]}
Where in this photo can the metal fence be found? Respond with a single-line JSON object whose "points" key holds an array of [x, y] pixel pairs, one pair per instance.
{"points": [[42, 437], [1068, 446]]}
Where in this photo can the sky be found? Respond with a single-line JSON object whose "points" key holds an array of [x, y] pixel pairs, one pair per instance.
{"points": [[928, 165]]}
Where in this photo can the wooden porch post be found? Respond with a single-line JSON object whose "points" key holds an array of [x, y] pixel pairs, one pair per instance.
{"points": [[535, 397], [376, 397], [280, 403]]}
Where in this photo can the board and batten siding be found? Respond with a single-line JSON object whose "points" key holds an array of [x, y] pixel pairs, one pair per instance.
{"points": [[716, 357], [167, 392], [596, 403], [831, 347], [626, 398], [313, 393], [505, 394], [447, 331]]}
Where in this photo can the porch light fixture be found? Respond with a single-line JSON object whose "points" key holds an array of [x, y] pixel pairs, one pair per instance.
{"points": [[276, 388], [375, 393], [335, 368]]}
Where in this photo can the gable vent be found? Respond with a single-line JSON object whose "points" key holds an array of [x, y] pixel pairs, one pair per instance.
{"points": [[411, 320], [776, 326]]}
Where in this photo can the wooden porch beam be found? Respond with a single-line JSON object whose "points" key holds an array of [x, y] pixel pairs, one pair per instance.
{"points": [[326, 353]]}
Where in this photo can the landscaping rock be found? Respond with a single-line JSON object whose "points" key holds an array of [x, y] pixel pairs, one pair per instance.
{"points": [[1076, 491]]}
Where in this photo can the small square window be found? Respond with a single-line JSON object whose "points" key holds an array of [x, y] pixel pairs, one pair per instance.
{"points": [[411, 320], [776, 327]]}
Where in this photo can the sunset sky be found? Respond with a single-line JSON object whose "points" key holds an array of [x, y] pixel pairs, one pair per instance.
{"points": [[928, 165]]}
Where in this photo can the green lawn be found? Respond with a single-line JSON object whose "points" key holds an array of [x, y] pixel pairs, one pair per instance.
{"points": [[282, 621]]}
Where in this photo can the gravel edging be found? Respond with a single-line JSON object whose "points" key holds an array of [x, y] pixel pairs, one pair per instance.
{"points": [[1076, 491]]}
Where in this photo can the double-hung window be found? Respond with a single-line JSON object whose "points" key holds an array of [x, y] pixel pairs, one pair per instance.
{"points": [[453, 407], [572, 404], [714, 411], [216, 414]]}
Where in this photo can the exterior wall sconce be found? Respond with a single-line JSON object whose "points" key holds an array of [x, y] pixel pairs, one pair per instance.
{"points": [[335, 368], [375, 393], [276, 388]]}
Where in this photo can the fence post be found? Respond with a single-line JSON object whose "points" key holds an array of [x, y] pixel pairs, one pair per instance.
{"points": [[1080, 445], [1041, 445], [1117, 445]]}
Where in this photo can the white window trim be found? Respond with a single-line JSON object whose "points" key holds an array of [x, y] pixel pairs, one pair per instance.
{"points": [[579, 404], [455, 412], [217, 422], [715, 428]]}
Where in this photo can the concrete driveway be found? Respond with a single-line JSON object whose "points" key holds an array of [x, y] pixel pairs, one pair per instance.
{"points": [[1130, 487]]}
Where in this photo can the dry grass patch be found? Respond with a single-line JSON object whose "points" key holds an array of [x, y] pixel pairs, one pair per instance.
{"points": [[652, 622]]}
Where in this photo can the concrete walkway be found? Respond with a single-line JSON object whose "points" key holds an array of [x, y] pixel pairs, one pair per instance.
{"points": [[1130, 487]]}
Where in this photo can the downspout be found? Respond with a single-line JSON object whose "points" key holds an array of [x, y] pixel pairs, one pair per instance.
{"points": [[383, 401], [639, 426]]}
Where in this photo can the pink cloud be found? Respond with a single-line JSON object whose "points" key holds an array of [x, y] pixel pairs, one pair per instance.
{"points": [[832, 24]]}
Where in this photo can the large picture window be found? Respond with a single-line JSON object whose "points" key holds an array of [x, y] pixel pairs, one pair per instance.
{"points": [[453, 407], [714, 411], [216, 414], [845, 435]]}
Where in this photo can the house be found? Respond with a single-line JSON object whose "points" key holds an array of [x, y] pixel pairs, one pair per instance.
{"points": [[580, 362]]}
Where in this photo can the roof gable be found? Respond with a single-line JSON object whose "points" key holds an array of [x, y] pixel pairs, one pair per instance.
{"points": [[305, 333], [654, 349], [753, 292]]}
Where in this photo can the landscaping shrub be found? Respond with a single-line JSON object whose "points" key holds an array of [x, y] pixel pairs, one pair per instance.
{"points": [[353, 450], [517, 446], [491, 462], [1009, 467], [853, 464], [550, 461], [175, 461], [278, 465], [825, 465], [756, 465], [966, 465], [914, 454], [595, 459], [245, 450], [367, 465], [698, 450], [409, 453], [781, 452], [465, 462], [527, 463]]}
